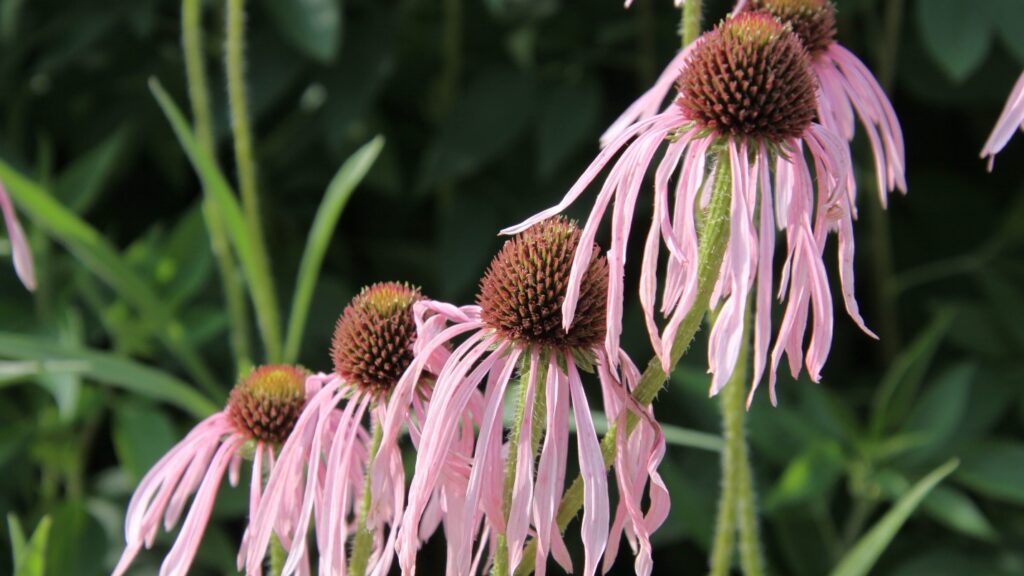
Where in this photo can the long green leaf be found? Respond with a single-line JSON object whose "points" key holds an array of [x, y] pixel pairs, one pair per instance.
{"points": [[102, 259], [257, 273], [110, 369], [30, 560], [333, 204], [862, 557]]}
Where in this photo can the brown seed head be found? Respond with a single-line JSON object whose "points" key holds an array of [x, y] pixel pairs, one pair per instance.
{"points": [[813, 21], [521, 293], [373, 338], [749, 78], [266, 403]]}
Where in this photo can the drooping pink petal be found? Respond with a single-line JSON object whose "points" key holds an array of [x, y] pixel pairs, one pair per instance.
{"points": [[1010, 120], [596, 512], [21, 252]]}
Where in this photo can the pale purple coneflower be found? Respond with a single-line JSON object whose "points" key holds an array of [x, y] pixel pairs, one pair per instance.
{"points": [[517, 325], [746, 104], [327, 458], [1011, 119], [260, 414], [21, 252]]}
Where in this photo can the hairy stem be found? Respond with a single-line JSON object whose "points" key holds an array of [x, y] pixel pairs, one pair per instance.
{"points": [[278, 556], [690, 28], [737, 502], [363, 544], [198, 92], [714, 238], [264, 297], [501, 561]]}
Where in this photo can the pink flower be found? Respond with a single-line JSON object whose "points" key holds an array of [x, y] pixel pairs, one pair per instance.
{"points": [[260, 414], [327, 458], [1009, 121], [20, 251], [746, 104], [517, 325]]}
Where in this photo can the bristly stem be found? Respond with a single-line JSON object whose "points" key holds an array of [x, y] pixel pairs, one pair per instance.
{"points": [[277, 556], [199, 96], [691, 25], [264, 297], [714, 238], [501, 560], [737, 502], [362, 546]]}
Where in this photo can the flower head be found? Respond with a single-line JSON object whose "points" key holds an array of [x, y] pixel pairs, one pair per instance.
{"points": [[332, 452], [813, 21], [745, 109], [1011, 119], [20, 251], [262, 411], [517, 326]]}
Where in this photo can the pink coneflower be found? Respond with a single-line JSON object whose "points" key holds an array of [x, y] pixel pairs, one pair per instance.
{"points": [[327, 459], [21, 253], [260, 414], [517, 325], [1009, 122], [746, 105]]}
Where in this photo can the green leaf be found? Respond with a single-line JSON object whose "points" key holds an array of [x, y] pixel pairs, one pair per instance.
{"points": [[102, 259], [351, 173], [956, 33], [898, 389], [80, 184], [30, 558], [865, 553], [142, 434], [255, 269], [939, 412], [311, 26], [946, 505], [1006, 16], [567, 117], [674, 435], [996, 469], [77, 544], [109, 369], [811, 475]]}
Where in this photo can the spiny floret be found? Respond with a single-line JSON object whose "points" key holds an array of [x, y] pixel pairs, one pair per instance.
{"points": [[813, 21], [521, 293], [373, 339], [749, 77], [266, 404]]}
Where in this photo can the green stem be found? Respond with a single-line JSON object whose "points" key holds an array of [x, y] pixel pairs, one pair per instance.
{"points": [[738, 500], [277, 557], [691, 21], [714, 238], [195, 73], [501, 562], [363, 544], [264, 297]]}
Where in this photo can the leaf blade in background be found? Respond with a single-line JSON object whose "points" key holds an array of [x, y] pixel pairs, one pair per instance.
{"points": [[113, 370], [30, 559], [340, 189], [995, 468], [79, 185], [314, 27], [859, 560], [956, 33]]}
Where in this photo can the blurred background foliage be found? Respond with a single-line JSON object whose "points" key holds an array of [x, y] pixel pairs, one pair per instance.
{"points": [[489, 110]]}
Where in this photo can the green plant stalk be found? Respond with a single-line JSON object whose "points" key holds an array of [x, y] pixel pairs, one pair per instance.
{"points": [[691, 21], [198, 92], [264, 297], [714, 238], [278, 557], [738, 501], [501, 562], [363, 543]]}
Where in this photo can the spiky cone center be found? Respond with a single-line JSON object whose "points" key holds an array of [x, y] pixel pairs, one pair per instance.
{"points": [[374, 337], [522, 292], [266, 404], [750, 77], [813, 21]]}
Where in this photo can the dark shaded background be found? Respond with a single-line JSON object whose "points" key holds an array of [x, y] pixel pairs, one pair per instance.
{"points": [[490, 110]]}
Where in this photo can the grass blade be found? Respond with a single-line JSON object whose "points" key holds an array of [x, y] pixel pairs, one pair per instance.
{"points": [[109, 369], [862, 557], [333, 204]]}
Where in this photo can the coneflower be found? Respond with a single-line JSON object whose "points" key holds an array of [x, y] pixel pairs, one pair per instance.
{"points": [[746, 106], [327, 460], [261, 413], [517, 324]]}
